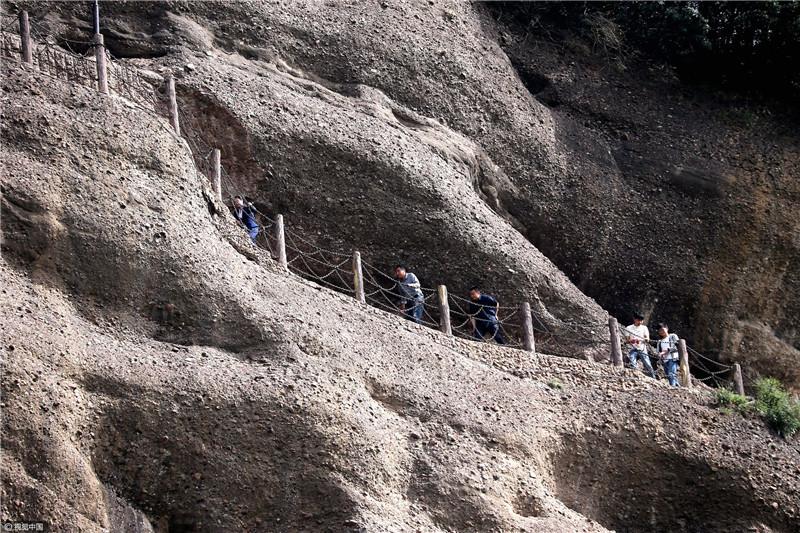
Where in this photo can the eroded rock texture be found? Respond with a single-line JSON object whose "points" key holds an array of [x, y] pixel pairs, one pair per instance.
{"points": [[162, 375], [433, 134]]}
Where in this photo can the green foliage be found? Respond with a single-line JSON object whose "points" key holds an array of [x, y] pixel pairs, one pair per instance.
{"points": [[740, 116], [739, 45], [776, 405], [555, 384], [727, 399]]}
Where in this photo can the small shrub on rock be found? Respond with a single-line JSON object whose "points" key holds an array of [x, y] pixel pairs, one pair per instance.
{"points": [[727, 399], [776, 405]]}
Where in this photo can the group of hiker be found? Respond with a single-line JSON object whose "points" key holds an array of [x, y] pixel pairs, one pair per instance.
{"points": [[482, 308], [666, 347], [482, 311]]}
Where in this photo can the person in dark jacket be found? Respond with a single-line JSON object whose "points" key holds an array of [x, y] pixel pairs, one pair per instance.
{"points": [[245, 213], [411, 300], [483, 316]]}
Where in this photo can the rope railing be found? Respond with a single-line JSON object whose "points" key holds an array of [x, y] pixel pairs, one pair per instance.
{"points": [[719, 364], [315, 265], [37, 30], [63, 60], [126, 80], [9, 23], [329, 268]]}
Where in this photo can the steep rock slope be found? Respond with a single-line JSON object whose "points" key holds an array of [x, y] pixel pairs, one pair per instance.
{"points": [[704, 225], [157, 379], [350, 162], [679, 206]]}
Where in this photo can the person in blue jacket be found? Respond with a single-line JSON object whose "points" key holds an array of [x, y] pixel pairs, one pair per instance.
{"points": [[245, 213], [483, 316]]}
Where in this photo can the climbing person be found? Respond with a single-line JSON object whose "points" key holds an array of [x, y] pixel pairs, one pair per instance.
{"points": [[667, 346], [638, 338], [409, 290], [245, 213], [483, 316]]}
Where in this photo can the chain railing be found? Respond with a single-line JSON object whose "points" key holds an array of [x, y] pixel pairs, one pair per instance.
{"points": [[62, 59]]}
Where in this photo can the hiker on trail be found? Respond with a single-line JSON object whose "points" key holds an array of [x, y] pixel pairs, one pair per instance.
{"points": [[667, 346], [483, 316], [410, 291], [638, 338], [245, 213]]}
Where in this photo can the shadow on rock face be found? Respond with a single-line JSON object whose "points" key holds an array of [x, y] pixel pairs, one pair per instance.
{"points": [[628, 483], [193, 463]]}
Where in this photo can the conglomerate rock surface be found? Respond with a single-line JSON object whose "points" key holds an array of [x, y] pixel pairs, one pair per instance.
{"points": [[161, 374], [443, 135]]}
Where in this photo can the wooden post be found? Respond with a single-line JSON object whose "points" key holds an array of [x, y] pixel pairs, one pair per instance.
{"points": [[100, 60], [358, 278], [684, 375], [280, 239], [444, 310], [173, 105], [217, 159], [616, 350], [737, 379], [26, 49], [528, 342]]}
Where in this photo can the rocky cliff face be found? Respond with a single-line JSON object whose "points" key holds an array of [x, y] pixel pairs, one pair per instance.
{"points": [[160, 374], [434, 134], [700, 192]]}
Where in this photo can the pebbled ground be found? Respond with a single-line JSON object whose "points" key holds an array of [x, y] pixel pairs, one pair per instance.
{"points": [[159, 375]]}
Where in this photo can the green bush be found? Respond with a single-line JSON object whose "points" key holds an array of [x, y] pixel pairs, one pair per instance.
{"points": [[776, 405], [727, 398]]}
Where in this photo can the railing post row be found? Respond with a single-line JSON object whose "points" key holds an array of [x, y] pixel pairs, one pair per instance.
{"points": [[100, 61], [616, 350], [358, 278], [444, 310], [528, 342], [26, 52], [26, 48], [280, 239], [684, 374]]}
